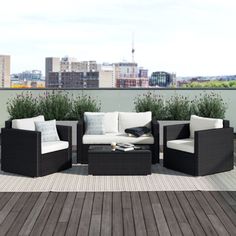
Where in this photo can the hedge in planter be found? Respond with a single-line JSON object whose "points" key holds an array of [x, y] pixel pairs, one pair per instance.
{"points": [[153, 103], [83, 104], [22, 106], [180, 107], [210, 105], [53, 105]]}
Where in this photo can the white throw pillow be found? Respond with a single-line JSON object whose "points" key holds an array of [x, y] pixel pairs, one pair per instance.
{"points": [[134, 119], [48, 130], [202, 123], [94, 123], [110, 120], [26, 123]]}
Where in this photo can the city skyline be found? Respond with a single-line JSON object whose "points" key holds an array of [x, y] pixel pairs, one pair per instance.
{"points": [[189, 38]]}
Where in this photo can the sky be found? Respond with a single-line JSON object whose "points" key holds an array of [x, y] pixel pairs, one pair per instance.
{"points": [[186, 37]]}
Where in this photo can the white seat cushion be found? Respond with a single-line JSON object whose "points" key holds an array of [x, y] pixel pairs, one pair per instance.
{"points": [[185, 145], [202, 123], [118, 138], [134, 119], [47, 147], [26, 123]]}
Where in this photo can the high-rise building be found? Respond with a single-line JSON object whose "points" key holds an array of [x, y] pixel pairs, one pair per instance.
{"points": [[106, 76], [80, 66], [161, 79], [142, 73], [55, 67], [66, 64], [28, 79], [52, 64], [84, 66], [80, 79], [32, 75], [128, 75], [5, 78], [73, 79]]}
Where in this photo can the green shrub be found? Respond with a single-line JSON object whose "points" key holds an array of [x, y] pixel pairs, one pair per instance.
{"points": [[55, 106], [178, 108], [211, 84], [210, 105], [83, 104], [151, 102], [22, 106]]}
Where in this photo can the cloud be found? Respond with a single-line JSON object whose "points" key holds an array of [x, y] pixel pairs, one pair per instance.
{"points": [[184, 36]]}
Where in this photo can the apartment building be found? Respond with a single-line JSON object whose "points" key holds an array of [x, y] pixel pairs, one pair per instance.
{"points": [[106, 76], [5, 78], [70, 80], [161, 79], [127, 75], [66, 64], [52, 64], [67, 72], [80, 79], [84, 66]]}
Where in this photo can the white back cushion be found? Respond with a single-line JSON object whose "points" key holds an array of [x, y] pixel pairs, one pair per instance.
{"points": [[26, 123], [134, 119], [110, 120], [94, 123], [202, 123], [48, 130]]}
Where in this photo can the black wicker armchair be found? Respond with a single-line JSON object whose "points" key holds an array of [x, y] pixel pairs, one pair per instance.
{"points": [[21, 152], [213, 150], [82, 149]]}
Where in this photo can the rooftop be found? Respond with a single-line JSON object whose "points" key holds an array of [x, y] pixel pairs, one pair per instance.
{"points": [[72, 202]]}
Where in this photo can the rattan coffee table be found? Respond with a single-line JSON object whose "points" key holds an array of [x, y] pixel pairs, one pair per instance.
{"points": [[103, 161]]}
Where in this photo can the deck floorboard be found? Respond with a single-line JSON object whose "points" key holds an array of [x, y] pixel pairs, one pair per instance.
{"points": [[118, 213]]}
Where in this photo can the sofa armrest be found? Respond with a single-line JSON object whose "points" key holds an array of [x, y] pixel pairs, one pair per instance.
{"points": [[65, 132], [21, 149], [155, 127], [156, 145], [214, 149], [172, 132], [80, 134], [8, 124], [213, 142], [80, 130]]}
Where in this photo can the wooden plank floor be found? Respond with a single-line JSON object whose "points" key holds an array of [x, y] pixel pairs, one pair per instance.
{"points": [[119, 213]]}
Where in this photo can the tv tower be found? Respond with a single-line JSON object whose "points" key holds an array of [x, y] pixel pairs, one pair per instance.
{"points": [[133, 50]]}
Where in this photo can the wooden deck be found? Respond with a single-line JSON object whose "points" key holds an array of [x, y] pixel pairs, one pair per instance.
{"points": [[118, 213]]}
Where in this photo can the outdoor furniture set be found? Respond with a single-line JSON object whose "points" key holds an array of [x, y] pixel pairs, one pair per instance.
{"points": [[34, 147]]}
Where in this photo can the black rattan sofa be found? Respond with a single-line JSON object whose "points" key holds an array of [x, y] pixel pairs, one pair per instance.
{"points": [[21, 152], [213, 150], [82, 149]]}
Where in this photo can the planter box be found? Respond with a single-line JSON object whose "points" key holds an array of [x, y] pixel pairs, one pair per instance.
{"points": [[163, 123], [73, 124]]}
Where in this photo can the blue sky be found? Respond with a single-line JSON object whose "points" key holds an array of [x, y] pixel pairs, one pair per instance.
{"points": [[188, 37]]}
